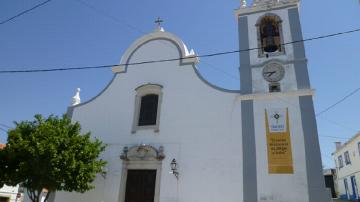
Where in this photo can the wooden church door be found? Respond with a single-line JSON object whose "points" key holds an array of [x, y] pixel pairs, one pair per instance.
{"points": [[140, 186]]}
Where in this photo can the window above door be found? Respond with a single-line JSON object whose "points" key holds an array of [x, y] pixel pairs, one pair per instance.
{"points": [[147, 108]]}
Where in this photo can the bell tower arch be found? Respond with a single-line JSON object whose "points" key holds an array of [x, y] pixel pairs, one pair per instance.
{"points": [[281, 153], [270, 36]]}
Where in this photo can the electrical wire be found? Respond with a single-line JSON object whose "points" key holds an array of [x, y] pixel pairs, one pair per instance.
{"points": [[310, 111], [3, 130], [134, 28], [109, 16], [166, 60], [4, 125], [340, 125], [169, 60], [338, 102], [335, 137], [24, 12]]}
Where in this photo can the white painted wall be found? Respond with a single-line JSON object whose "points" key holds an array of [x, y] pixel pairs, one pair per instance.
{"points": [[199, 126], [9, 192], [277, 187], [280, 187], [349, 170]]}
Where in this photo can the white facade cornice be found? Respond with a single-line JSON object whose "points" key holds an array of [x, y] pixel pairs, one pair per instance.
{"points": [[186, 56], [264, 5], [339, 149], [277, 95]]}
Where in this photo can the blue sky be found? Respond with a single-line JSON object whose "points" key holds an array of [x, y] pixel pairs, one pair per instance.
{"points": [[70, 33]]}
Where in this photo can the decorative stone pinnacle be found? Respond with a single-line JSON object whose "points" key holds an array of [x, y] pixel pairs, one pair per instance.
{"points": [[243, 4], [76, 99]]}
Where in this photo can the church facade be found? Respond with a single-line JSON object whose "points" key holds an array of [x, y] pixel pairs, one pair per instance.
{"points": [[174, 137]]}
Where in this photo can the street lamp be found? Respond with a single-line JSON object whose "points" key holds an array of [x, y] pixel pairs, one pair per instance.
{"points": [[173, 166]]}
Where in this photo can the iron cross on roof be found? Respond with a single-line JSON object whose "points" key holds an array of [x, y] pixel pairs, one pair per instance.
{"points": [[158, 21]]}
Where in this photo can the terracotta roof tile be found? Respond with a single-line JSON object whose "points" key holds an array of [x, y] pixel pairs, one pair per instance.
{"points": [[2, 146]]}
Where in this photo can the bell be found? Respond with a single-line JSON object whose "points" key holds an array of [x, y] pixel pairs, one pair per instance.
{"points": [[269, 38], [270, 45]]}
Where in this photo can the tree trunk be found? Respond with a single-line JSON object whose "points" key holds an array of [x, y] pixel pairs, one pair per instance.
{"points": [[47, 196]]}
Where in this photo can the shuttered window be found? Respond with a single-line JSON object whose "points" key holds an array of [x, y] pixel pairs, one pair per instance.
{"points": [[347, 158], [148, 110]]}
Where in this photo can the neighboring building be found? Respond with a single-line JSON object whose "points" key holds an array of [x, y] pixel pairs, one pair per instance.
{"points": [[174, 137], [347, 161], [330, 177], [8, 193]]}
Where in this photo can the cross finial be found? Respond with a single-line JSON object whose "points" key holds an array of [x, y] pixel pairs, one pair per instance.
{"points": [[158, 21]]}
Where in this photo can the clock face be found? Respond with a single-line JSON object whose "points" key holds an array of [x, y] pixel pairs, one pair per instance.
{"points": [[273, 72]]}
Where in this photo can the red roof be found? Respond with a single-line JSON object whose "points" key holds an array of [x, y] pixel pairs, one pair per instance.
{"points": [[2, 146]]}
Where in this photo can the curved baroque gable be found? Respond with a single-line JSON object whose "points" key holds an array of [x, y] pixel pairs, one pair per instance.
{"points": [[186, 56]]}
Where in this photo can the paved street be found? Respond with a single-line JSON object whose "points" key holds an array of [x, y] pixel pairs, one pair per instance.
{"points": [[338, 200]]}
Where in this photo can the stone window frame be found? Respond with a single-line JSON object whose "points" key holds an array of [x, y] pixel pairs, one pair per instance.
{"points": [[141, 91], [261, 53]]}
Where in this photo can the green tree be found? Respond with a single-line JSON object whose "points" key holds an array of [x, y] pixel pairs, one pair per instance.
{"points": [[50, 153]]}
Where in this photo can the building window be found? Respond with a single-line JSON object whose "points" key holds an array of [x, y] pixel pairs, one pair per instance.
{"points": [[341, 163], [336, 164], [148, 110], [274, 87], [359, 147], [347, 158], [147, 107], [270, 35]]}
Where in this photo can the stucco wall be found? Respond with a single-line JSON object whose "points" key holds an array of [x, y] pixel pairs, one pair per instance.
{"points": [[281, 187], [199, 126]]}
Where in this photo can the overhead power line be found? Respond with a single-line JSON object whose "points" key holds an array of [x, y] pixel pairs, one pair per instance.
{"points": [[338, 102], [34, 70], [3, 130], [24, 12], [109, 16], [138, 30], [307, 110], [335, 137], [4, 125]]}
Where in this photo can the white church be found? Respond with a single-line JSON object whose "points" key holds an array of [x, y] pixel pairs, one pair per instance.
{"points": [[174, 137]]}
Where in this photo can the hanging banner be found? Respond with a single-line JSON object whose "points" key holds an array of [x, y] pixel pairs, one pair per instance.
{"points": [[278, 141]]}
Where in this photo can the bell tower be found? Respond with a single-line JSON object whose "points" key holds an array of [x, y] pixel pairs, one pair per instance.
{"points": [[281, 153]]}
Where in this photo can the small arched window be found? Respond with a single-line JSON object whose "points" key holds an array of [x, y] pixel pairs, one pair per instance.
{"points": [[269, 29], [147, 107]]}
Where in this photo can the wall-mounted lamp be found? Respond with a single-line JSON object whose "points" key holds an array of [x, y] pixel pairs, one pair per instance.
{"points": [[173, 166]]}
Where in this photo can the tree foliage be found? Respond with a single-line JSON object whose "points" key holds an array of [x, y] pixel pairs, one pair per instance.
{"points": [[50, 153]]}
